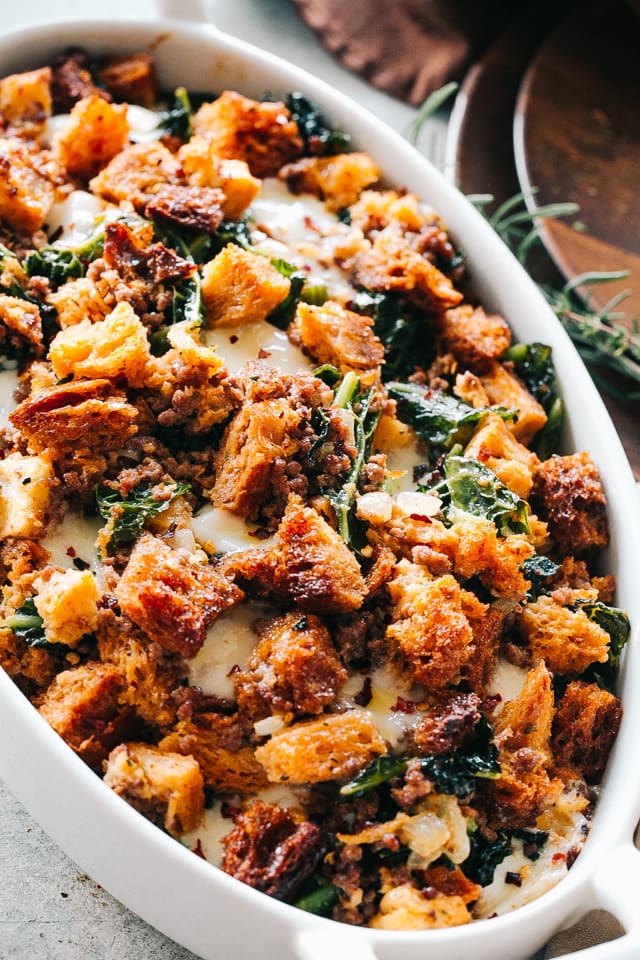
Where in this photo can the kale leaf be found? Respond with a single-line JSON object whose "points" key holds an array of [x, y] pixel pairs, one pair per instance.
{"points": [[284, 313], [615, 622], [58, 264], [204, 246], [126, 516], [27, 624], [319, 899], [485, 856], [404, 333], [538, 570], [452, 773], [317, 136], [534, 365], [471, 487], [176, 121]]}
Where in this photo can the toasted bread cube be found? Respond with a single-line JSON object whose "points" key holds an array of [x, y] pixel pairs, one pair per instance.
{"points": [[172, 597], [526, 720], [494, 444], [338, 180], [376, 209], [96, 133], [567, 640], [79, 300], [22, 319], [204, 168], [25, 492], [166, 787], [130, 78], [26, 97], [261, 134], [224, 769], [505, 389], [406, 908], [333, 334], [331, 748], [496, 560], [524, 789], [568, 493], [241, 287], [26, 193], [474, 337], [137, 174], [67, 601], [114, 348], [585, 727]]}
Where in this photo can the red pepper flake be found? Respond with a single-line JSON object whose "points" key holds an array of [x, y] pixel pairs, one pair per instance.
{"points": [[572, 855], [420, 518], [233, 338], [199, 852], [513, 878], [403, 706], [263, 354], [363, 699], [558, 858], [492, 701], [70, 552], [310, 225], [234, 669]]}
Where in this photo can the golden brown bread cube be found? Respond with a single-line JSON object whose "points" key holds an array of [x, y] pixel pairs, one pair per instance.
{"points": [[166, 787], [567, 640], [474, 337], [504, 388], [494, 444], [568, 493], [26, 192], [585, 727], [241, 287], [115, 348], [67, 601], [224, 769], [260, 133], [526, 720], [172, 597], [96, 132], [26, 97], [130, 78], [523, 791], [22, 320], [203, 167], [137, 174], [79, 300], [86, 414], [333, 334], [338, 180], [332, 747], [26, 484], [478, 550]]}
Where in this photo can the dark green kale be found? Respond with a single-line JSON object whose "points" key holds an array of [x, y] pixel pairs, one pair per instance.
{"points": [[187, 303], [485, 856], [539, 570], [438, 418], [471, 487], [453, 773], [205, 246], [365, 420], [328, 374], [404, 333], [128, 515], [48, 313], [534, 365], [27, 624], [532, 841], [284, 313], [616, 623], [319, 139], [176, 121], [319, 899], [58, 264]]}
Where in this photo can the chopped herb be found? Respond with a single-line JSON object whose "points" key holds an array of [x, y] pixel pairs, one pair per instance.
{"points": [[471, 487], [328, 374], [55, 263], [176, 121], [534, 365], [317, 136], [159, 341], [616, 623], [404, 333], [27, 624], [539, 571], [126, 516], [284, 313]]}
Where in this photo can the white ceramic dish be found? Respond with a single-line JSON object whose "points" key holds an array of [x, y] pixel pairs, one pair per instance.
{"points": [[202, 908]]}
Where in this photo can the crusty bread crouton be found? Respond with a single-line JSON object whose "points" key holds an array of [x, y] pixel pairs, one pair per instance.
{"points": [[22, 321], [203, 167], [585, 727], [115, 348], [494, 444], [67, 601], [260, 133], [130, 78], [333, 334], [241, 287], [293, 669], [391, 265], [79, 300], [331, 748], [137, 174], [523, 791], [259, 434], [430, 633], [376, 209], [172, 597], [486, 624], [26, 97], [526, 721], [478, 550], [405, 908], [468, 387], [505, 389], [26, 192], [31, 668], [321, 574], [82, 706], [567, 640], [166, 787], [226, 767], [338, 180], [96, 132], [25, 493], [568, 493], [474, 337], [87, 414]]}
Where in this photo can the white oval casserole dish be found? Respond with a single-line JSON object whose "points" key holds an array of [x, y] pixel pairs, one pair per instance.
{"points": [[202, 908]]}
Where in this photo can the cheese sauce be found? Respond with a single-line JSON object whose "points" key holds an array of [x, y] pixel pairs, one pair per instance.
{"points": [[256, 341], [8, 384]]}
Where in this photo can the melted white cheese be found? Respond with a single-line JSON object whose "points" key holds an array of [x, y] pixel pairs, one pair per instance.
{"points": [[219, 531], [143, 124], [402, 460], [74, 538], [8, 383], [75, 216], [507, 680], [228, 645], [256, 341]]}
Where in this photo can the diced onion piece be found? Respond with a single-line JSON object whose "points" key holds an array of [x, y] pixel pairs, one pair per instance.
{"points": [[374, 507], [418, 504]]}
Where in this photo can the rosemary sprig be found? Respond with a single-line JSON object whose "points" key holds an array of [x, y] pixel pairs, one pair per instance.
{"points": [[433, 102]]}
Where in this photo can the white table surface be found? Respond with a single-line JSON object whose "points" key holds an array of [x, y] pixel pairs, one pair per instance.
{"points": [[49, 910]]}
